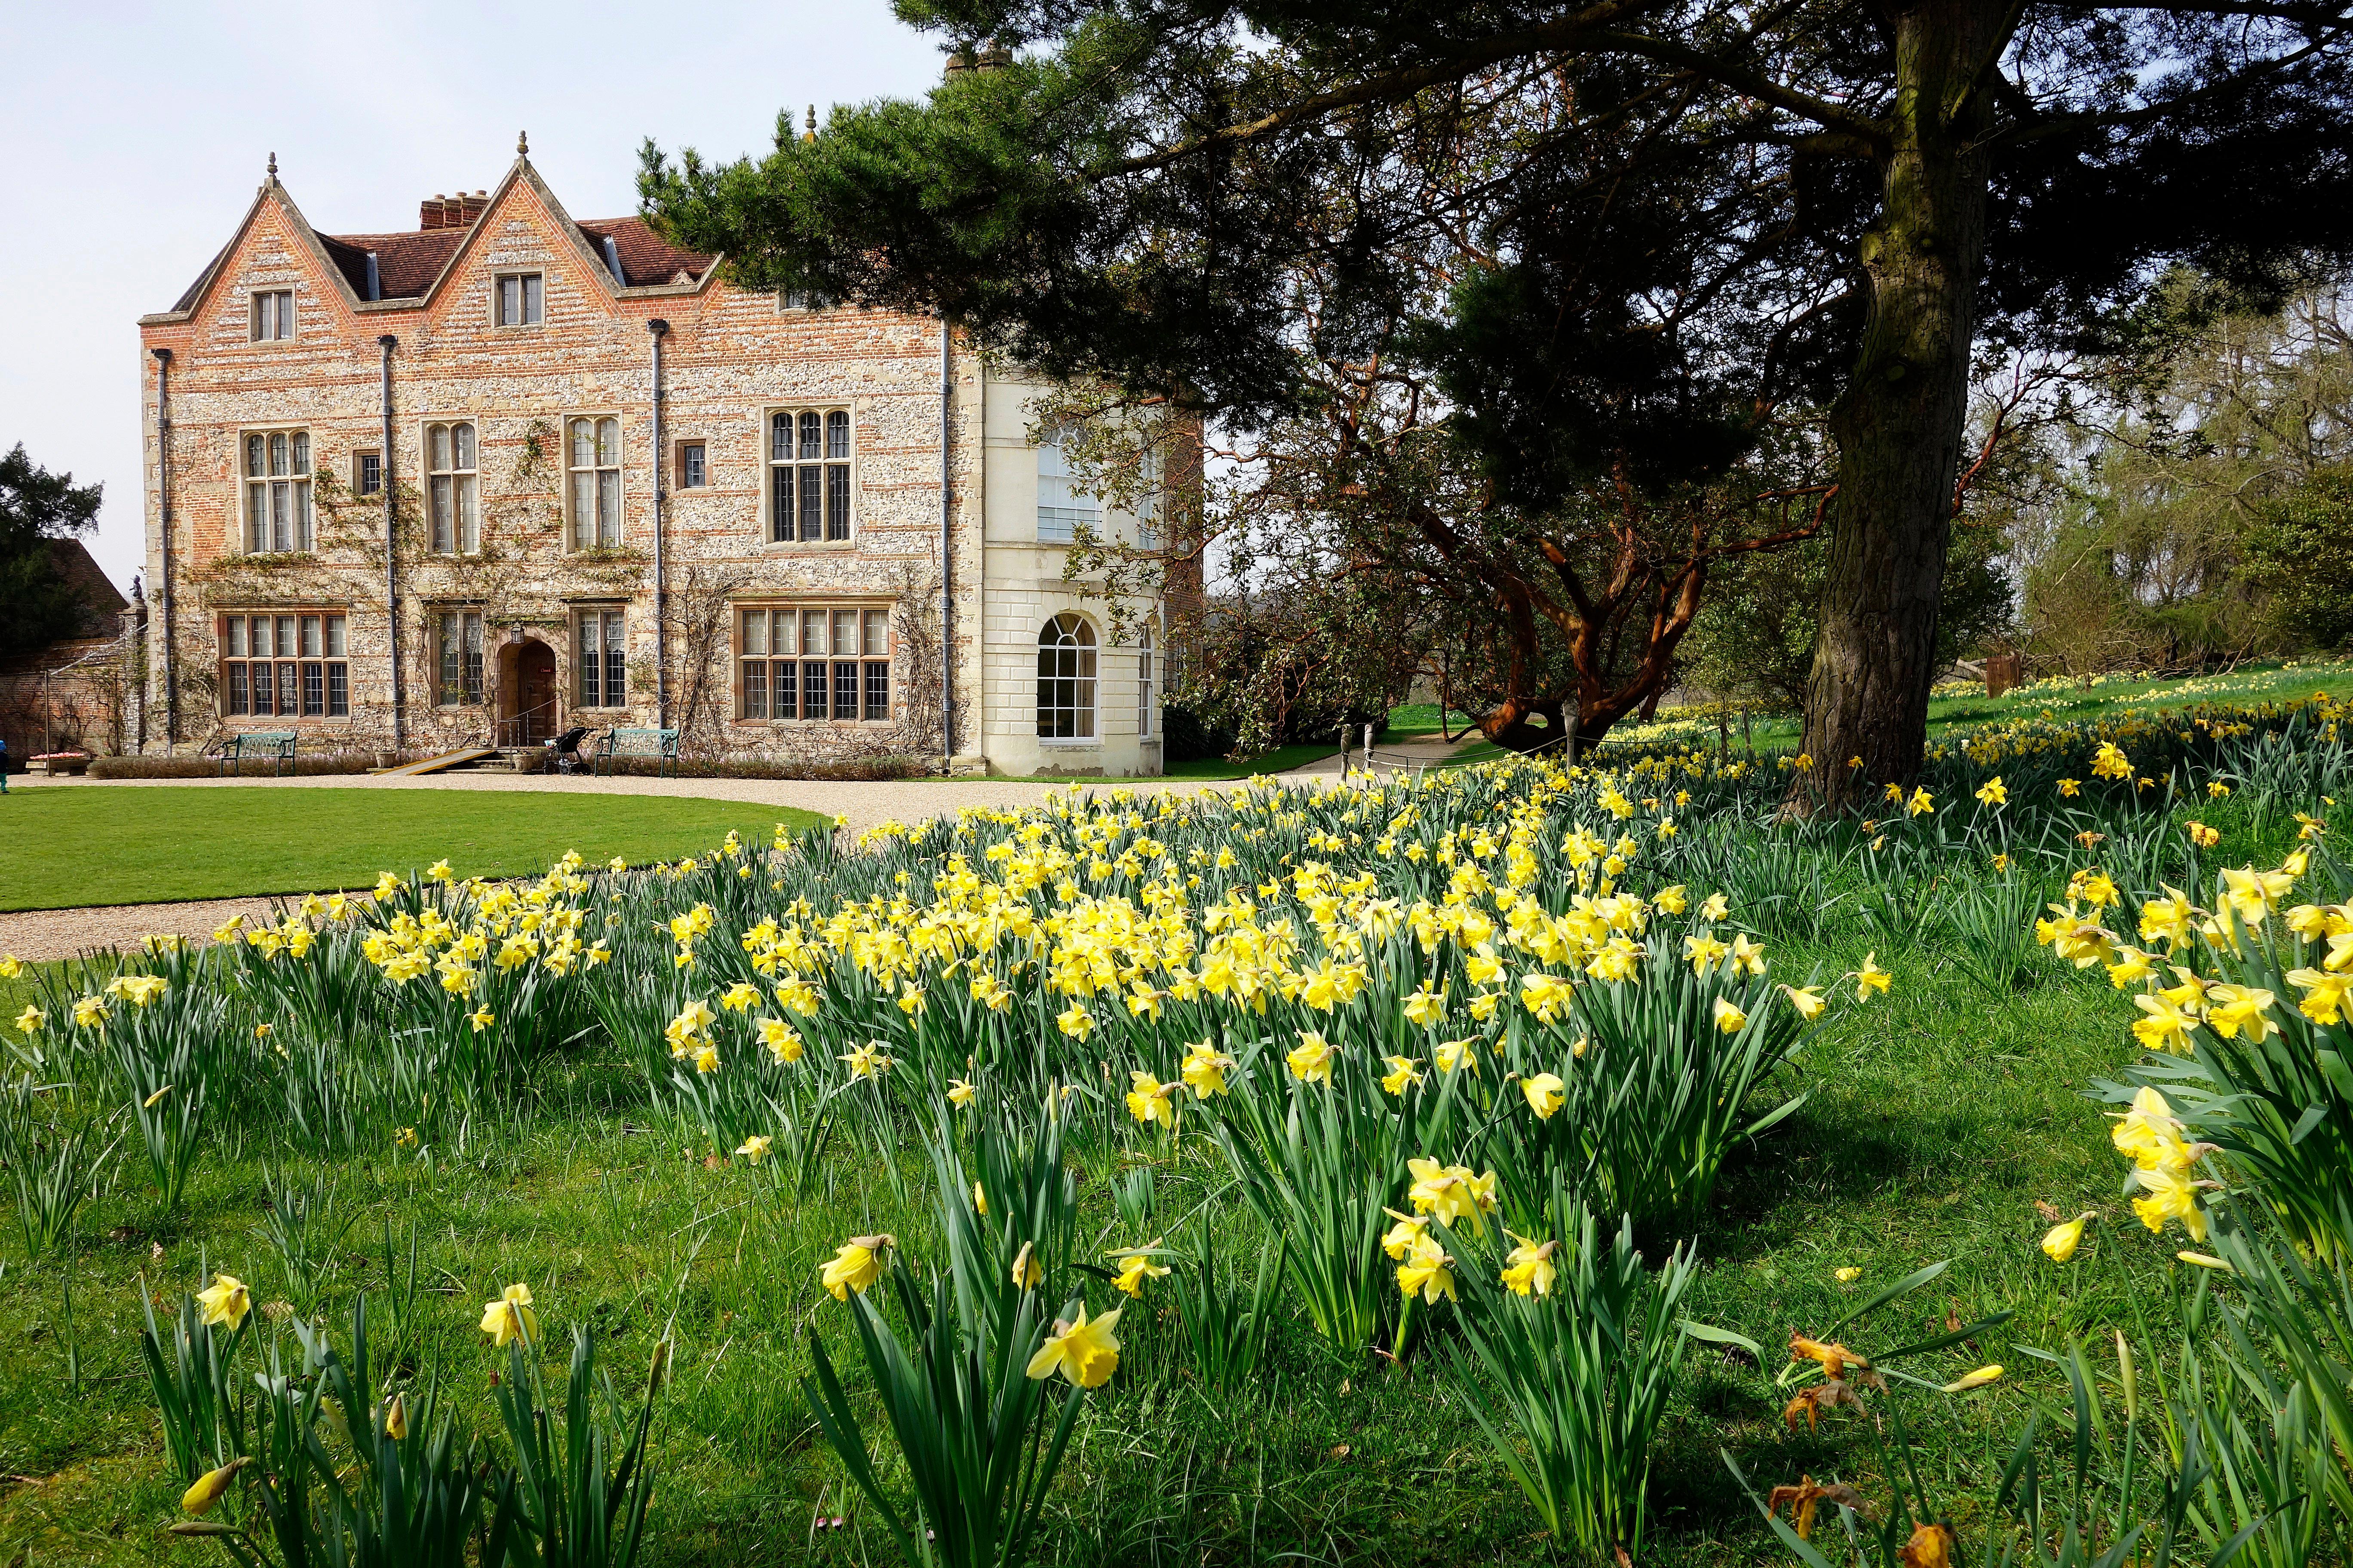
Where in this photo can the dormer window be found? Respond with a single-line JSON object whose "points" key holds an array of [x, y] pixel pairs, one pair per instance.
{"points": [[273, 314], [520, 299]]}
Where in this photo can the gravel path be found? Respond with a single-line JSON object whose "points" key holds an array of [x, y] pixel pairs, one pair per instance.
{"points": [[45, 934]]}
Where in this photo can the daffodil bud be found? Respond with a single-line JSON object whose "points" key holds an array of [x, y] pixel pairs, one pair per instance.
{"points": [[199, 1498]]}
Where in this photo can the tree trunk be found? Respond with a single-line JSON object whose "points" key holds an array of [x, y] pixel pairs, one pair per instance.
{"points": [[1899, 423]]}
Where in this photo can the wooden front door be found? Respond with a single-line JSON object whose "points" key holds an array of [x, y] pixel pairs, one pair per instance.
{"points": [[535, 692]]}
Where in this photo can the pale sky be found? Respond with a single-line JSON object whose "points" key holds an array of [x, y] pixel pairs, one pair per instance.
{"points": [[133, 138]]}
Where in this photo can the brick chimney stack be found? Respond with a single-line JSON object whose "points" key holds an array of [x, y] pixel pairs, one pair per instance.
{"points": [[459, 211]]}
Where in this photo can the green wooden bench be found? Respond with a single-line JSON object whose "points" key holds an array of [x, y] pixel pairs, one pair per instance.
{"points": [[622, 742], [231, 750]]}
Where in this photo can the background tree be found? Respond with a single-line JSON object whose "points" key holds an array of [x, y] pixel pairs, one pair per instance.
{"points": [[2190, 486], [38, 604], [1834, 194]]}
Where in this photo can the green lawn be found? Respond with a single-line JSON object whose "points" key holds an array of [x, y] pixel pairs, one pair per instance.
{"points": [[132, 845], [1281, 760], [2060, 698]]}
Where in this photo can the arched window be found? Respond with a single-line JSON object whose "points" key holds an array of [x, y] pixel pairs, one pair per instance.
{"points": [[1066, 679]]}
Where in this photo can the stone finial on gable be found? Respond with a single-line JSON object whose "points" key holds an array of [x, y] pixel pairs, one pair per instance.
{"points": [[523, 145]]}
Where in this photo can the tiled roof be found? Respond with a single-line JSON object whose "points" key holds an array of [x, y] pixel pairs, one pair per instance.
{"points": [[101, 601], [187, 301], [405, 263], [645, 257]]}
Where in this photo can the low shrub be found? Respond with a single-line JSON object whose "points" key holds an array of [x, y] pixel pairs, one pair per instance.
{"points": [[205, 767], [843, 768]]}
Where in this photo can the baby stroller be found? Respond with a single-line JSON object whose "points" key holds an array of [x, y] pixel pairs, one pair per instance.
{"points": [[565, 751]]}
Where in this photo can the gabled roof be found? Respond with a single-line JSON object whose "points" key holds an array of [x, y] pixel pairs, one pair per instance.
{"points": [[412, 266]]}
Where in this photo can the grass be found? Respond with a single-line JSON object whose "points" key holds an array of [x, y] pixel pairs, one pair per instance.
{"points": [[1281, 760], [97, 843], [1936, 1124], [2059, 697], [1936, 1121]]}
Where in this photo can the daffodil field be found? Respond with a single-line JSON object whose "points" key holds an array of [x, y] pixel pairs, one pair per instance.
{"points": [[1515, 1162]]}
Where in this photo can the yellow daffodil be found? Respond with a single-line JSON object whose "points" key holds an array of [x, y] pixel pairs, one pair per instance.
{"points": [[1404, 1074], [1703, 949], [2071, 787], [784, 1041], [1991, 792], [2325, 995], [960, 1093], [1311, 1058], [1976, 1379], [2060, 1242], [2231, 1008], [1729, 1019], [2200, 835], [857, 1266], [1806, 999], [1454, 1055], [1544, 1092], [88, 1013], [1075, 1021], [1084, 1352], [1846, 1275], [1529, 1268], [1136, 1267], [754, 1148], [868, 1060], [1450, 1193], [395, 1418], [2172, 1195], [1149, 1100], [30, 1020], [1204, 1070], [1714, 907], [1870, 978], [510, 1317], [1426, 1269], [225, 1300]]}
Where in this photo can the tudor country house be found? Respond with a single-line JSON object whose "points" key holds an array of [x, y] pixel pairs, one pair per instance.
{"points": [[511, 472]]}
